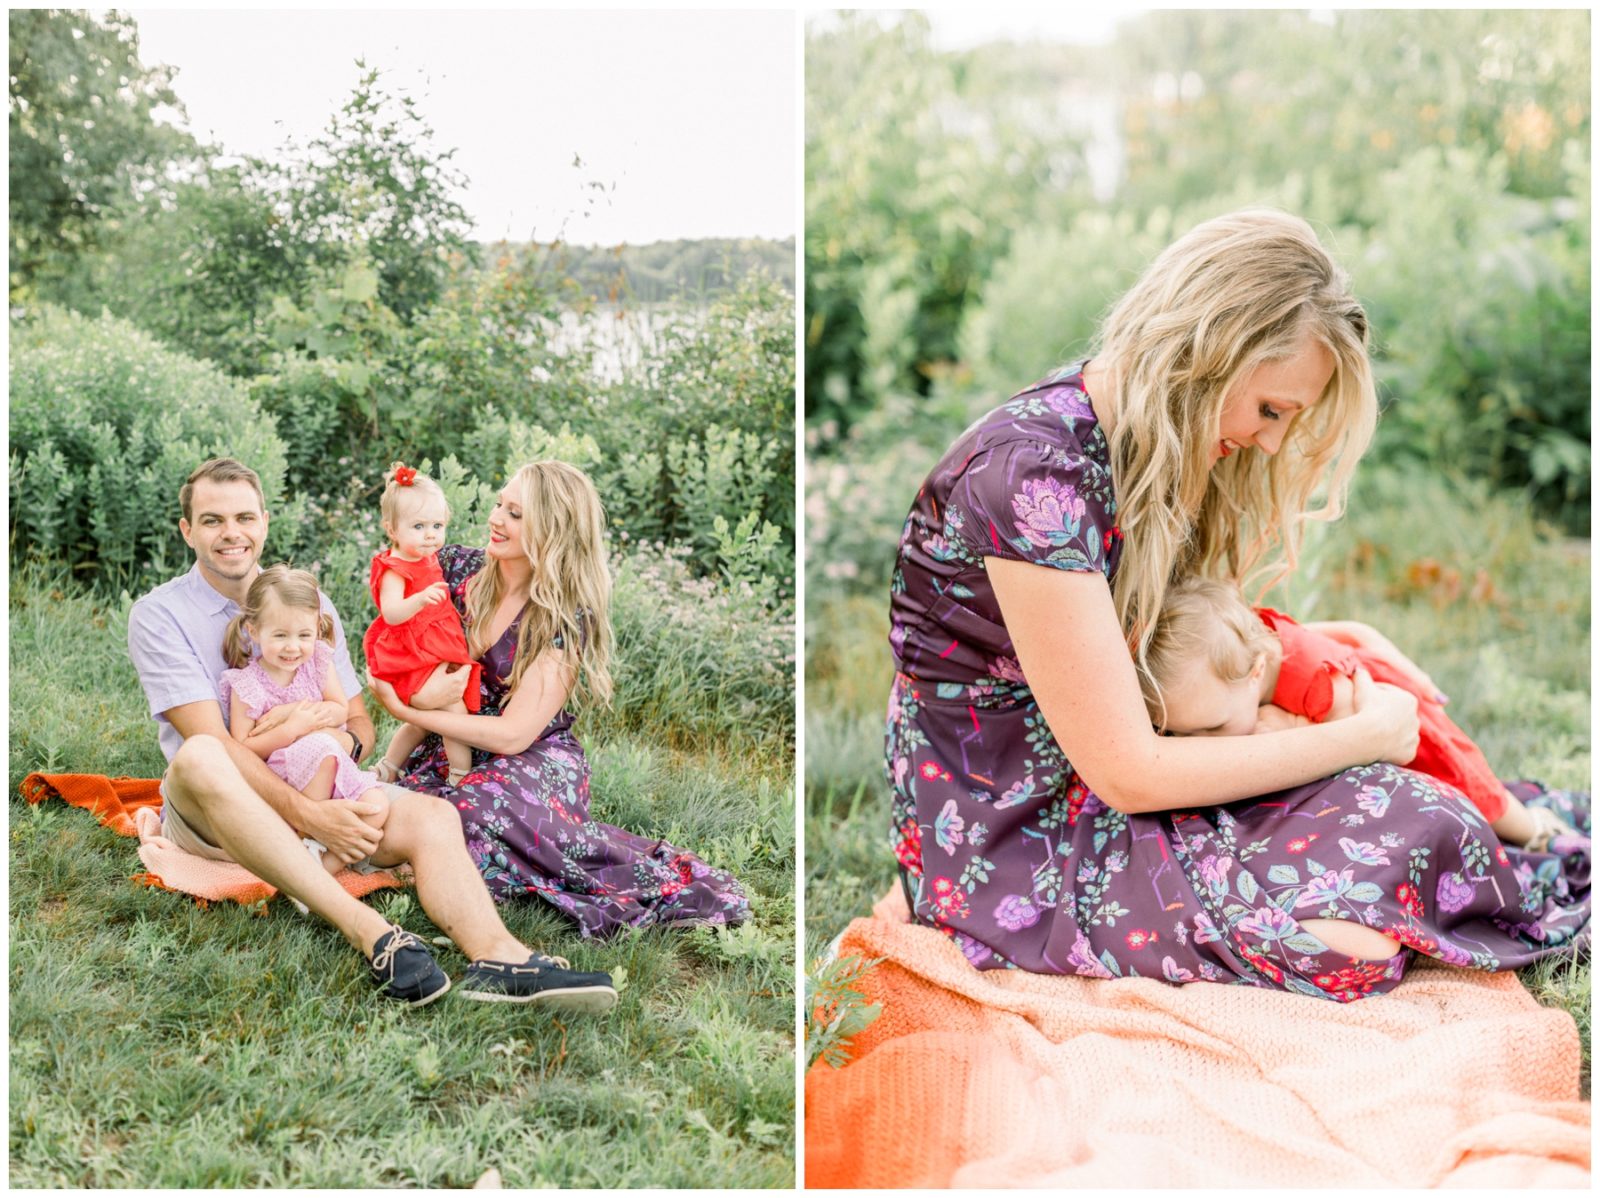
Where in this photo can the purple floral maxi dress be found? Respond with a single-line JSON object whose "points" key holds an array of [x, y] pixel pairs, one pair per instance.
{"points": [[528, 827], [1004, 848]]}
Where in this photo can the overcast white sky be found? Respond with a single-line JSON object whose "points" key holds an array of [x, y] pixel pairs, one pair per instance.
{"points": [[691, 115]]}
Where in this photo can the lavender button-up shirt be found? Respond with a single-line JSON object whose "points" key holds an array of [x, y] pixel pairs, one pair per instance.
{"points": [[175, 639]]}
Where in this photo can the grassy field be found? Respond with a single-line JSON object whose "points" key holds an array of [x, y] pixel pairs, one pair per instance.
{"points": [[156, 1044], [1494, 607]]}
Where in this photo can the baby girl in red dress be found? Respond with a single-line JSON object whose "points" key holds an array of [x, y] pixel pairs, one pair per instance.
{"points": [[1221, 669], [417, 632]]}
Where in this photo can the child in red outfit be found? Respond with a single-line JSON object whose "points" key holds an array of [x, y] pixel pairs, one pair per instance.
{"points": [[417, 632], [1218, 668]]}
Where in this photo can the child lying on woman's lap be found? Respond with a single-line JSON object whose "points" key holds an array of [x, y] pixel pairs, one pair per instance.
{"points": [[1217, 668]]}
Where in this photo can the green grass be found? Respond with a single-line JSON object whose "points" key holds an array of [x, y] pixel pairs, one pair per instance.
{"points": [[1514, 661], [158, 1044]]}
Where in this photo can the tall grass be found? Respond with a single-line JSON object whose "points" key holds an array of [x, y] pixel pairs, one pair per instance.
{"points": [[1494, 605], [158, 1044]]}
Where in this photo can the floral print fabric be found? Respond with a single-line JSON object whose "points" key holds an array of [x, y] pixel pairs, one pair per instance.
{"points": [[1005, 849], [528, 827]]}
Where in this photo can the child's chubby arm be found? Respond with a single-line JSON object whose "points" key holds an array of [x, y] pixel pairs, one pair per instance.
{"points": [[277, 728], [396, 608], [1272, 718]]}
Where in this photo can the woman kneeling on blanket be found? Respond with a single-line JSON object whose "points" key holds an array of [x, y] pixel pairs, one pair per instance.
{"points": [[1039, 817]]}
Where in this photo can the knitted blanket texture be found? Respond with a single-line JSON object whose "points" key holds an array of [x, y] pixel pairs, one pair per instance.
{"points": [[1004, 1078]]}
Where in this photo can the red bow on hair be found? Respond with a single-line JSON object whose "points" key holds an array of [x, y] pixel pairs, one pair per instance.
{"points": [[404, 476]]}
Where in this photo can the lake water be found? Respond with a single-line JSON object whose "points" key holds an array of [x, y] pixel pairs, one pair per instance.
{"points": [[617, 337]]}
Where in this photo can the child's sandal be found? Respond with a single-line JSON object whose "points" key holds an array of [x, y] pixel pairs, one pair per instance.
{"points": [[388, 772], [456, 777]]}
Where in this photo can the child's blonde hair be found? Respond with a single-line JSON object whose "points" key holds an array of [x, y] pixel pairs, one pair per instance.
{"points": [[293, 589], [399, 495], [1201, 616], [1228, 296], [569, 594]]}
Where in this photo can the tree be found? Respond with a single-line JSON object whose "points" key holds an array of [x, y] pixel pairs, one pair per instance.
{"points": [[84, 137]]}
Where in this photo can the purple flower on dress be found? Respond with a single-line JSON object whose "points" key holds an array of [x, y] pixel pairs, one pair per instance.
{"points": [[897, 638], [1017, 911], [1008, 669], [1363, 852], [1018, 792], [1455, 892], [1083, 961], [948, 828], [975, 951], [1326, 888], [938, 547], [1374, 802], [1068, 402], [1269, 923], [1048, 512], [1452, 954], [1214, 870]]}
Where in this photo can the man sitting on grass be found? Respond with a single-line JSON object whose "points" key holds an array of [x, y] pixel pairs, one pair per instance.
{"points": [[222, 802]]}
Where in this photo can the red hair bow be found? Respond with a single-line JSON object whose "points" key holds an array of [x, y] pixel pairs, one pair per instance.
{"points": [[404, 476]]}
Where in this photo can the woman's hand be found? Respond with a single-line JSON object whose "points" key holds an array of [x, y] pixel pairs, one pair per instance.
{"points": [[390, 700], [1369, 640], [1389, 715]]}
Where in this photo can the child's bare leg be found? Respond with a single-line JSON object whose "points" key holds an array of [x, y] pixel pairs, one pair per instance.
{"points": [[320, 787], [404, 742], [1515, 826], [1352, 939], [1530, 827], [458, 752]]}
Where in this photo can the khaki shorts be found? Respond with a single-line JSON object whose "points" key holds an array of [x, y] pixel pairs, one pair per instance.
{"points": [[177, 830]]}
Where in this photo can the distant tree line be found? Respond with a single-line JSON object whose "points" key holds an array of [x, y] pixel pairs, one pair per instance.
{"points": [[703, 269]]}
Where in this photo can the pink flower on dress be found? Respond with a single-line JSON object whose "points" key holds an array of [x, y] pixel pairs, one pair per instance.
{"points": [[1048, 512], [1007, 669], [1083, 961]]}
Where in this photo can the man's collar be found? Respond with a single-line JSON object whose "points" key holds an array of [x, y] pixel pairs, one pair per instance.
{"points": [[206, 596]]}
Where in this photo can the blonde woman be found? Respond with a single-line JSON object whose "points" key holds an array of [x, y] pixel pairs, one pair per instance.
{"points": [[536, 603], [1038, 817]]}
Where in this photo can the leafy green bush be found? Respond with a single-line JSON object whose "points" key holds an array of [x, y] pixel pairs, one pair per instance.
{"points": [[1480, 302], [913, 185], [698, 659], [105, 427]]}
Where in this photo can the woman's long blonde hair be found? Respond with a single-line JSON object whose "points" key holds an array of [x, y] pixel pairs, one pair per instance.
{"points": [[293, 589], [569, 593], [1233, 293]]}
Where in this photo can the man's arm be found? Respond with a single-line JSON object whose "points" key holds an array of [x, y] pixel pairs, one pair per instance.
{"points": [[358, 723]]}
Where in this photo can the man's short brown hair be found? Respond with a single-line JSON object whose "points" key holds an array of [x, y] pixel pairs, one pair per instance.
{"points": [[219, 470]]}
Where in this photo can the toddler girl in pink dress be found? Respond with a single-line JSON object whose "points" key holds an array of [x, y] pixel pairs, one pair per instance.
{"points": [[287, 641]]}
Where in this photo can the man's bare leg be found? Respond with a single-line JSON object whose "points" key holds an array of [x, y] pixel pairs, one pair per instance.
{"points": [[216, 801], [426, 831]]}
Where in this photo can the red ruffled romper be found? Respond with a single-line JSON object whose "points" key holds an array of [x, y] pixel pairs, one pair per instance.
{"points": [[406, 655], [1305, 687]]}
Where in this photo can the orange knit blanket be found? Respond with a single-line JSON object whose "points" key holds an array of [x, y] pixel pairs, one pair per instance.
{"points": [[131, 806], [1006, 1078]]}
